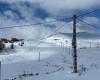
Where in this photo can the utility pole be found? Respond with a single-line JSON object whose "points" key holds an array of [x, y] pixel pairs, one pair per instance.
{"points": [[30, 45], [39, 56], [97, 44], [74, 46], [66, 45], [90, 44]]}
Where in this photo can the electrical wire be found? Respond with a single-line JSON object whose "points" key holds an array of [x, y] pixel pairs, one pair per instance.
{"points": [[86, 22], [27, 25], [88, 13], [54, 32]]}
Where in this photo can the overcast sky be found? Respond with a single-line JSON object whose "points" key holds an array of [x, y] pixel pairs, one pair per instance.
{"points": [[21, 12]]}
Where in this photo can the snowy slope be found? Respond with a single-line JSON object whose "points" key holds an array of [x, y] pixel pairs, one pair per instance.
{"points": [[56, 67], [84, 39], [82, 35], [55, 62]]}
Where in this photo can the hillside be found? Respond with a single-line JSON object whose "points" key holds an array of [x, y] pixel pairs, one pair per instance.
{"points": [[82, 35], [55, 63]]}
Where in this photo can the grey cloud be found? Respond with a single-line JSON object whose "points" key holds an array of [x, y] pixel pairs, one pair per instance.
{"points": [[54, 7]]}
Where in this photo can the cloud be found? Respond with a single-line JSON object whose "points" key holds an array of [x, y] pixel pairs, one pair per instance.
{"points": [[92, 20], [56, 7], [23, 12], [90, 24]]}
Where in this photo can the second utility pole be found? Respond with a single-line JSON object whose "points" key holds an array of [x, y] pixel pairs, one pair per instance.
{"points": [[74, 46]]}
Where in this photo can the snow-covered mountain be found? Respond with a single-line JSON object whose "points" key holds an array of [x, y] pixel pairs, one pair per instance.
{"points": [[82, 35], [83, 39]]}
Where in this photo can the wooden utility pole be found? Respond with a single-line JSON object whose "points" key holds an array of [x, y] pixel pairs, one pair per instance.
{"points": [[74, 46]]}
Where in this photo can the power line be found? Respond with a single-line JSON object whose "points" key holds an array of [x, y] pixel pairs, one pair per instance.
{"points": [[51, 34], [54, 32], [48, 22], [88, 13], [86, 22], [27, 25]]}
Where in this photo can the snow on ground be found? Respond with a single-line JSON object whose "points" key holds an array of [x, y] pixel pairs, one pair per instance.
{"points": [[55, 63], [65, 41]]}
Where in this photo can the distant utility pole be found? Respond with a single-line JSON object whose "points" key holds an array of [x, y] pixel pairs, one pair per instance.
{"points": [[30, 46], [90, 44], [74, 45], [39, 56], [97, 44]]}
